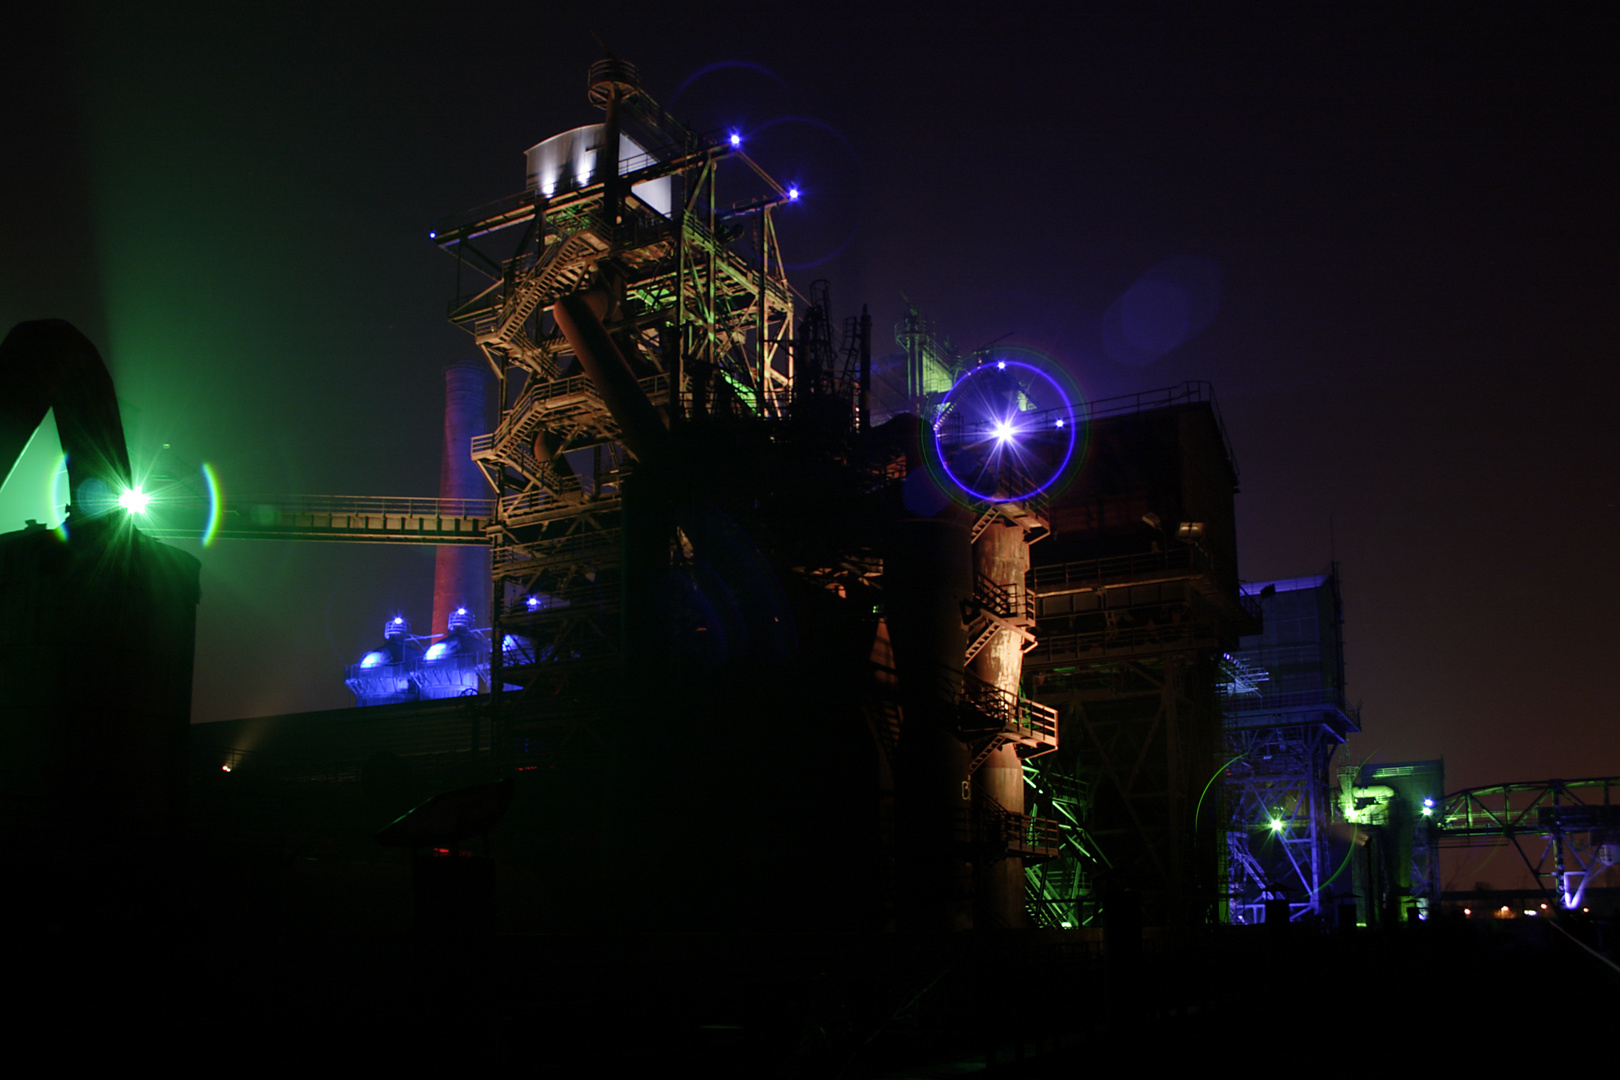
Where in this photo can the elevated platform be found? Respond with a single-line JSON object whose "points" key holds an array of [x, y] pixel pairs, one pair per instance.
{"points": [[354, 518]]}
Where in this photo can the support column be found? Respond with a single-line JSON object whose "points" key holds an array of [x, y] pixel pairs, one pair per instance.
{"points": [[1001, 555]]}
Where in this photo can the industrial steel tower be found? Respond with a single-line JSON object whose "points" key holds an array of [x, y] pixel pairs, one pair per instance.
{"points": [[635, 298], [1285, 716], [1138, 598]]}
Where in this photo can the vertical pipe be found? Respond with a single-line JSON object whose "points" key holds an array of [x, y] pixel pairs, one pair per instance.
{"points": [[578, 317], [1001, 559], [461, 573]]}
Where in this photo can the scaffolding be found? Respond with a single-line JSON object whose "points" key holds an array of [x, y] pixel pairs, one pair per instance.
{"points": [[1285, 715], [701, 311]]}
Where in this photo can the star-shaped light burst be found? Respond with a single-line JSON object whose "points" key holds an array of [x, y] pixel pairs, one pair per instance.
{"points": [[135, 500], [1005, 430]]}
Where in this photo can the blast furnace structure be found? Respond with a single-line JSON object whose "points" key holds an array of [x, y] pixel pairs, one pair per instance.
{"points": [[767, 648], [707, 561]]}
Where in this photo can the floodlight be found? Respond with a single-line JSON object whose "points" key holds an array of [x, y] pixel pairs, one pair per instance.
{"points": [[134, 500]]}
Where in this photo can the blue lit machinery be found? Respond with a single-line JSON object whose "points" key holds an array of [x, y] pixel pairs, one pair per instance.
{"points": [[1283, 697], [409, 668], [634, 298], [385, 675], [458, 664]]}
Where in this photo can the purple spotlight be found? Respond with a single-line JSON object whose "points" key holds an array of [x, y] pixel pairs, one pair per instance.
{"points": [[793, 194], [736, 140], [1005, 432]]}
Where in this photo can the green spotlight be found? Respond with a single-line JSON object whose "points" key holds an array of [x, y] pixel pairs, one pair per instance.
{"points": [[1276, 824], [134, 500]]}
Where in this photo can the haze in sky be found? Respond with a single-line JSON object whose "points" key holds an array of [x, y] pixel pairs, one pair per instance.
{"points": [[1386, 236]]}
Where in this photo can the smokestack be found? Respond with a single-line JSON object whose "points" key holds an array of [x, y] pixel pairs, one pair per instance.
{"points": [[461, 575]]}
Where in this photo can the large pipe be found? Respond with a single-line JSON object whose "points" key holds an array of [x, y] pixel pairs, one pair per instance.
{"points": [[579, 317], [461, 572], [1001, 558], [47, 364]]}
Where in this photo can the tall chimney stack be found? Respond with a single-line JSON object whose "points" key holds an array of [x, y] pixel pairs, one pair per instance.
{"points": [[461, 576]]}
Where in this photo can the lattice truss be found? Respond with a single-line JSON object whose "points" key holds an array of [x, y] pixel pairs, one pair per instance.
{"points": [[701, 311], [1060, 892], [1278, 805], [1142, 730], [1575, 824]]}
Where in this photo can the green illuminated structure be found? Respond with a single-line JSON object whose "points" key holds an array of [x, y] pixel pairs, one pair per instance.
{"points": [[1396, 861]]}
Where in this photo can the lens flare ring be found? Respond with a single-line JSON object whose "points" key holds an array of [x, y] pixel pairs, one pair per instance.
{"points": [[1001, 424], [216, 502]]}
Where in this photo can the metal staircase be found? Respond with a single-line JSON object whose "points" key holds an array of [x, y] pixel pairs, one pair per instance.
{"points": [[996, 718], [996, 607]]}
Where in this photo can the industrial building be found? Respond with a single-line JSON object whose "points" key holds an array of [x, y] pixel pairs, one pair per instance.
{"points": [[723, 642]]}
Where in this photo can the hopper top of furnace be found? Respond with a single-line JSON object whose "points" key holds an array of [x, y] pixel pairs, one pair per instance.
{"points": [[567, 162]]}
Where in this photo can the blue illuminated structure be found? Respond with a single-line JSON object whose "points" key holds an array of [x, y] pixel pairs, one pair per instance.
{"points": [[384, 675], [1283, 698], [406, 667], [1005, 431], [457, 665]]}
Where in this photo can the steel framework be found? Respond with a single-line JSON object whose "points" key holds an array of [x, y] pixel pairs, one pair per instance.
{"points": [[1285, 716], [1279, 804], [702, 313], [1128, 655], [1578, 822], [1059, 890]]}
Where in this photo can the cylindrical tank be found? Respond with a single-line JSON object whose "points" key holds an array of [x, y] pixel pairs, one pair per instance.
{"points": [[461, 572], [383, 675], [568, 161], [453, 665]]}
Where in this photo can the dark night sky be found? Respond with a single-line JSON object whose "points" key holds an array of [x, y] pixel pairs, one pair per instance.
{"points": [[1412, 213]]}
